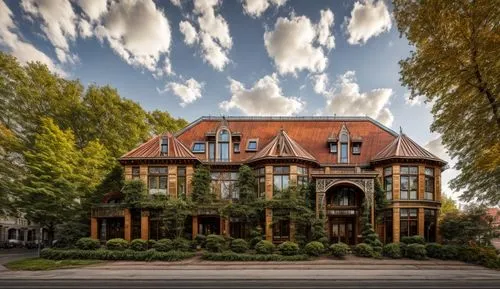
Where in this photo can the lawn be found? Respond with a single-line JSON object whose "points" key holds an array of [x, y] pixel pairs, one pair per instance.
{"points": [[40, 264]]}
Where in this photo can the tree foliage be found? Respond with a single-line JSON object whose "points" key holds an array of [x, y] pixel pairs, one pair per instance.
{"points": [[448, 206], [455, 66], [201, 182]]}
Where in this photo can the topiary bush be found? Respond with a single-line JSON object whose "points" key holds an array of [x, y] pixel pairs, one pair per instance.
{"points": [[163, 245], [149, 255], [180, 244], [314, 248], [139, 245], [215, 243], [231, 256], [413, 240], [416, 251], [449, 252], [392, 250], [201, 240], [339, 249], [239, 246], [87, 244], [264, 247], [254, 241], [117, 244], [364, 250], [434, 250], [288, 248]]}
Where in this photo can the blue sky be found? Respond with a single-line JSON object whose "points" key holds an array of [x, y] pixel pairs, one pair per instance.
{"points": [[249, 57]]}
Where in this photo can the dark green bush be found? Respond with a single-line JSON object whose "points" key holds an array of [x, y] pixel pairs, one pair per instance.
{"points": [[413, 240], [254, 241], [215, 243], [264, 247], [364, 250], [392, 250], [117, 244], [163, 245], [449, 252], [231, 256], [201, 240], [239, 246], [434, 250], [102, 254], [87, 244], [324, 241], [180, 244], [339, 249], [288, 248], [314, 248], [151, 243], [139, 245], [416, 251]]}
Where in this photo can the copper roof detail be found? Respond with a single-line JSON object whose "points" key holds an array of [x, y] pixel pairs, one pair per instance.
{"points": [[282, 146], [404, 147], [151, 149]]}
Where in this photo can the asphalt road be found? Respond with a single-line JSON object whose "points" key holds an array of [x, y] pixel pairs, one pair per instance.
{"points": [[247, 284]]}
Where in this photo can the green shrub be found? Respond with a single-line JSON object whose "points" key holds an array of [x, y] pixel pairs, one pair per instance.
{"points": [[180, 244], [102, 254], [434, 250], [392, 250], [201, 240], [364, 250], [215, 243], [239, 246], [449, 252], [139, 245], [254, 241], [288, 248], [416, 251], [413, 240], [231, 256], [117, 244], [163, 245], [264, 247], [87, 244], [339, 249], [324, 241], [151, 243], [314, 248]]}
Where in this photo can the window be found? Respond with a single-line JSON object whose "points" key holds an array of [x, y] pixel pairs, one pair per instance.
{"points": [[157, 180], [388, 183], [408, 222], [388, 226], [211, 151], [236, 147], [164, 146], [252, 145], [136, 172], [223, 143], [343, 197], [302, 176], [356, 148], [429, 184], [409, 183], [333, 148], [198, 147], [281, 225], [281, 178], [430, 222], [224, 184], [181, 182], [261, 182]]}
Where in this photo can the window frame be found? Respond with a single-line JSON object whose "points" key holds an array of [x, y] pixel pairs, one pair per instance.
{"points": [[224, 153], [410, 221], [281, 172], [201, 144], [164, 146], [252, 140], [181, 180], [358, 146], [388, 193], [236, 147], [157, 177], [135, 172], [333, 148], [260, 177], [429, 182], [409, 176]]}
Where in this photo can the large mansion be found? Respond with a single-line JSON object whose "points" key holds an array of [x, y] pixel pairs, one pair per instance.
{"points": [[343, 156]]}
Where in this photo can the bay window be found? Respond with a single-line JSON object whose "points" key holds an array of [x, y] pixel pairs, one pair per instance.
{"points": [[157, 180], [409, 182], [181, 182], [388, 183], [281, 178], [429, 184], [408, 222], [430, 221]]}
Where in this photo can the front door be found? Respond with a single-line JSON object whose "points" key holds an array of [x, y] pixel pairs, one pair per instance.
{"points": [[342, 230]]}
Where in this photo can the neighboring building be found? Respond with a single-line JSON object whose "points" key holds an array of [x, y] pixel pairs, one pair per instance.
{"points": [[18, 230], [343, 156]]}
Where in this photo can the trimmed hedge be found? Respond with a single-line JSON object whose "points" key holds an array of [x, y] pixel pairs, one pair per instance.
{"points": [[231, 256], [87, 244], [163, 245], [392, 250], [180, 244], [102, 254], [239, 246], [339, 249], [215, 243], [417, 239], [314, 248], [434, 250], [416, 251], [264, 247], [288, 248], [117, 244], [200, 240], [449, 252], [139, 245], [364, 250]]}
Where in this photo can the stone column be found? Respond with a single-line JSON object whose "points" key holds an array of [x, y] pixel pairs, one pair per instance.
{"points": [[269, 195], [293, 175], [437, 184], [128, 173], [421, 182], [395, 182], [127, 225], [189, 179], [172, 181], [194, 225], [421, 222], [292, 231], [395, 225], [145, 225], [143, 170], [93, 228], [269, 224]]}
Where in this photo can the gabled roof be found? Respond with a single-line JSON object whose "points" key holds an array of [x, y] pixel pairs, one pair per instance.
{"points": [[282, 146], [151, 149], [404, 147]]}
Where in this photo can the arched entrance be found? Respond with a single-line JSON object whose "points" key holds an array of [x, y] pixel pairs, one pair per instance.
{"points": [[344, 208]]}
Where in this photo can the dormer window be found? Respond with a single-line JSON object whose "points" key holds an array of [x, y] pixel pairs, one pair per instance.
{"points": [[198, 147], [223, 143], [164, 146], [333, 148], [252, 145], [356, 148], [344, 151], [236, 147]]}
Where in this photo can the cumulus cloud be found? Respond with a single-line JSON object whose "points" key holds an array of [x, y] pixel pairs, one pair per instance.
{"points": [[345, 98], [188, 92], [13, 42], [189, 32], [264, 98], [436, 147], [58, 23], [297, 44], [255, 8], [416, 101], [176, 3], [93, 9], [368, 19]]}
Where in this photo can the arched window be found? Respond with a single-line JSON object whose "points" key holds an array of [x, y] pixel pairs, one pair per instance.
{"points": [[223, 143], [344, 147]]}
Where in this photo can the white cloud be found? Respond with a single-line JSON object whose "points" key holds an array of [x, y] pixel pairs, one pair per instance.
{"points": [[255, 8], [264, 98], [345, 98], [296, 44], [368, 19], [93, 9], [416, 101], [320, 83], [176, 3], [58, 23], [189, 32], [188, 92], [16, 46], [436, 147]]}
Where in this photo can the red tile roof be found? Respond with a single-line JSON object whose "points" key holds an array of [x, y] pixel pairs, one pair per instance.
{"points": [[151, 149]]}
